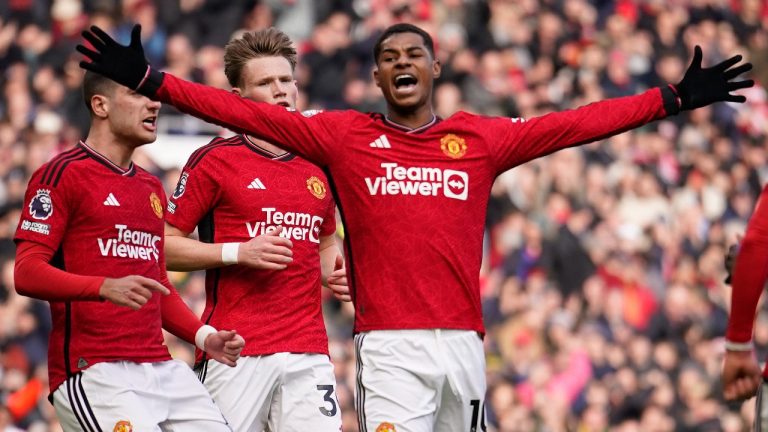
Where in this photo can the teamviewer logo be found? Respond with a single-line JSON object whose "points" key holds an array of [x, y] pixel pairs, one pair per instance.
{"points": [[455, 184]]}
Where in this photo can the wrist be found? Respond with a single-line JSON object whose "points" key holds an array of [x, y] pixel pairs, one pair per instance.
{"points": [[739, 346], [229, 253], [202, 334]]}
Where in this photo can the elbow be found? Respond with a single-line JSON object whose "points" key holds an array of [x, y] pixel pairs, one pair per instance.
{"points": [[20, 281]]}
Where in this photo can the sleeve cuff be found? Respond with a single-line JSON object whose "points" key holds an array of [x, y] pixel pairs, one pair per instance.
{"points": [[151, 82], [202, 333], [670, 99]]}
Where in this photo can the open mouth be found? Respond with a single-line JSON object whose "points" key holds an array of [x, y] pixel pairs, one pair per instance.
{"points": [[405, 83], [150, 123], [284, 104]]}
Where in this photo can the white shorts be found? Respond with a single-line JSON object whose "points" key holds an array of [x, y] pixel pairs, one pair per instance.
{"points": [[420, 381], [277, 392], [137, 397]]}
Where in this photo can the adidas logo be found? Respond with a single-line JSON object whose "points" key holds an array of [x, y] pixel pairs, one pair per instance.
{"points": [[381, 142], [111, 201], [256, 184]]}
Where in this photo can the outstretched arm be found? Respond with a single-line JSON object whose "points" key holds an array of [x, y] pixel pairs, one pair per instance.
{"points": [[526, 140], [307, 136]]}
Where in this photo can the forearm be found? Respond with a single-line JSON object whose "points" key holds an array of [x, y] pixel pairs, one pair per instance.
{"points": [[749, 277], [749, 274], [272, 123], [186, 254], [546, 134], [34, 276], [328, 253]]}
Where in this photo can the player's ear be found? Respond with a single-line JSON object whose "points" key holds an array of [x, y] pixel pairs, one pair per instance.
{"points": [[376, 78], [100, 105], [237, 91], [437, 68]]}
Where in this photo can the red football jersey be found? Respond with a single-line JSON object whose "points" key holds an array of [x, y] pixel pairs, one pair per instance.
{"points": [[233, 191], [413, 202], [102, 220]]}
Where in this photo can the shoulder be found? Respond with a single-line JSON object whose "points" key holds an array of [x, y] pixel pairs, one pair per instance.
{"points": [[53, 172], [216, 147]]}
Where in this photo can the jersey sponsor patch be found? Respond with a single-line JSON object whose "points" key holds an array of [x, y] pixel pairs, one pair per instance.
{"points": [[296, 225], [181, 186], [37, 227], [453, 146], [41, 205], [130, 243], [316, 187], [419, 181]]}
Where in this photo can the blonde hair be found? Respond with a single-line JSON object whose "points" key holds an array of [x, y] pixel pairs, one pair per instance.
{"points": [[264, 43]]}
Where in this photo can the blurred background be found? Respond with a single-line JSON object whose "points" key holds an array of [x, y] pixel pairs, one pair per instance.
{"points": [[602, 280]]}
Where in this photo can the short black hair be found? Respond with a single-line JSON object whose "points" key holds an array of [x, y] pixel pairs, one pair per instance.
{"points": [[94, 84], [403, 28]]}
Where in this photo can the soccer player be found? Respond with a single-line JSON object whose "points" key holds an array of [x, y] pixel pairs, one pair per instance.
{"points": [[742, 377], [90, 241], [240, 192], [412, 190]]}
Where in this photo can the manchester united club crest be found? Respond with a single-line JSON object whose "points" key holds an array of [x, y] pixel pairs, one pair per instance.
{"points": [[316, 187], [453, 146], [123, 426], [157, 205], [41, 205], [385, 427]]}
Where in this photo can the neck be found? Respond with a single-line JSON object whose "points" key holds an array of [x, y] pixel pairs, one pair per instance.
{"points": [[411, 119], [269, 147], [111, 147]]}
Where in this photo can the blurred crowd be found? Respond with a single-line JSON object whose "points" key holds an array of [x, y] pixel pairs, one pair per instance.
{"points": [[602, 280]]}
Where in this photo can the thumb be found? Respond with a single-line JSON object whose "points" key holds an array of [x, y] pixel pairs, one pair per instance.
{"points": [[136, 36], [227, 334], [339, 262], [274, 230], [697, 56]]}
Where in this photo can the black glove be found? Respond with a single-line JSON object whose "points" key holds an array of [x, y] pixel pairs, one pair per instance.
{"points": [[701, 87], [125, 65]]}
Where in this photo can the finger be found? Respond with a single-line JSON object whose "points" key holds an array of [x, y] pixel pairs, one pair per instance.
{"points": [[697, 56], [136, 36], [274, 250], [93, 67], [127, 301], [733, 73], [137, 298], [154, 286], [226, 335], [736, 85], [145, 293], [91, 54], [725, 64], [274, 230], [270, 266], [101, 34], [93, 40], [735, 98], [280, 241]]}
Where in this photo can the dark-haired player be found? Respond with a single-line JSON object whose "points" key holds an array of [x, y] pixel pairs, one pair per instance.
{"points": [[412, 190]]}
